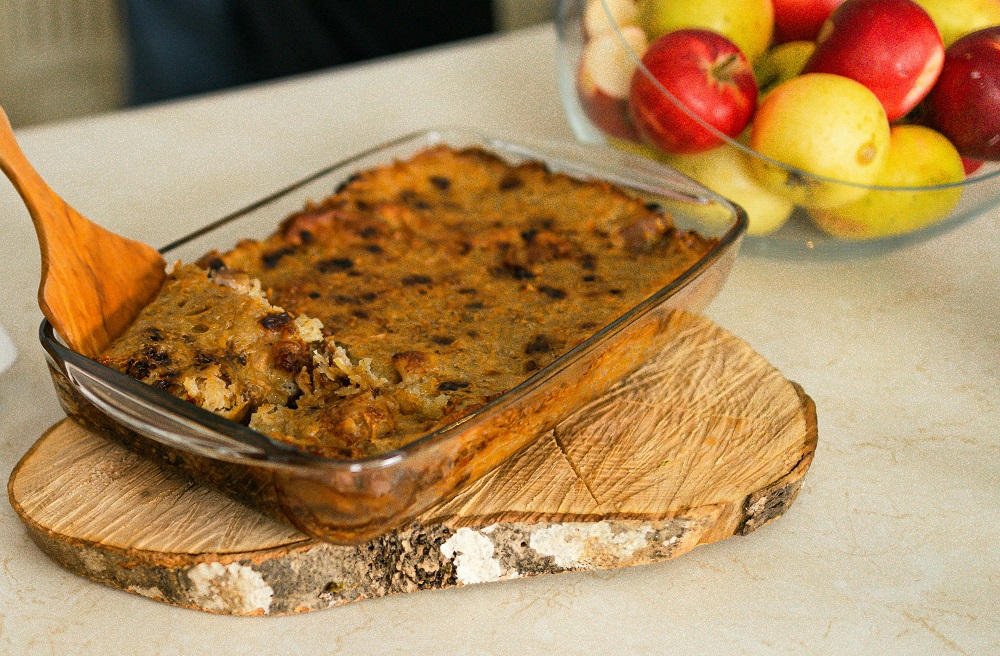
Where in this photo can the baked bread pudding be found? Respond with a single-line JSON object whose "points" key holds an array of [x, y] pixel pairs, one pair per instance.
{"points": [[416, 293]]}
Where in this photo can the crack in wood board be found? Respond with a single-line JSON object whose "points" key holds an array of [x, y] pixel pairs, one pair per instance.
{"points": [[572, 465]]}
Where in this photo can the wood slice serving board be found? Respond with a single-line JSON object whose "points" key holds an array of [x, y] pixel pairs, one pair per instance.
{"points": [[704, 442]]}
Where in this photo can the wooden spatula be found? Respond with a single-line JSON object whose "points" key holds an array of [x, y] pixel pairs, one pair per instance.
{"points": [[94, 282]]}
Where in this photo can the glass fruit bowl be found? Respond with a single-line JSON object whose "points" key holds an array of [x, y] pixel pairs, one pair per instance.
{"points": [[792, 212]]}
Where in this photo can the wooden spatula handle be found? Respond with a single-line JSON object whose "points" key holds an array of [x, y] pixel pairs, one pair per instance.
{"points": [[52, 217], [94, 282]]}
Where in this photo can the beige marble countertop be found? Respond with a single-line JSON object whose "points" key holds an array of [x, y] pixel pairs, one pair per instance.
{"points": [[893, 546]]}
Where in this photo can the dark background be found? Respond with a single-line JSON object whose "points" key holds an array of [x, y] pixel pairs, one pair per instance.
{"points": [[182, 47]]}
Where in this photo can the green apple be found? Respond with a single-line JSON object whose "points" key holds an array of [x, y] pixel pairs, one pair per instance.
{"points": [[781, 63], [747, 23], [822, 125], [725, 170], [956, 18], [918, 157]]}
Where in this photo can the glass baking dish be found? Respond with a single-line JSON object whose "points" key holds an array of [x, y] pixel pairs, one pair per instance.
{"points": [[350, 501]]}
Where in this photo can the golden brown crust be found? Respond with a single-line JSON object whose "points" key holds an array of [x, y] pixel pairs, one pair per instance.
{"points": [[214, 341], [442, 282]]}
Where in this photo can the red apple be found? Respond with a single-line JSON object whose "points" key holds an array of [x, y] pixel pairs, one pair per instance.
{"points": [[710, 79], [965, 103], [890, 46], [971, 165], [605, 74], [800, 20]]}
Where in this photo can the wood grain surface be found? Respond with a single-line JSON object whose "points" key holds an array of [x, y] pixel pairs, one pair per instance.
{"points": [[704, 442]]}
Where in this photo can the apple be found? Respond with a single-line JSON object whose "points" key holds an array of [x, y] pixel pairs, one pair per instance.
{"points": [[604, 78], [708, 76], [956, 18], [971, 165], [965, 103], [890, 46], [747, 23], [597, 21], [918, 157], [726, 171], [782, 63], [609, 115], [821, 125], [800, 20]]}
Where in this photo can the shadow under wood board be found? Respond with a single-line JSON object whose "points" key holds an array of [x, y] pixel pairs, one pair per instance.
{"points": [[704, 442]]}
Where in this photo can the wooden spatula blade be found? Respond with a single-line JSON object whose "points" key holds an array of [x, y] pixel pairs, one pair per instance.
{"points": [[94, 282]]}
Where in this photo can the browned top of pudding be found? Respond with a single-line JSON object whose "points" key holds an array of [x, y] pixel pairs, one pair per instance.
{"points": [[416, 293]]}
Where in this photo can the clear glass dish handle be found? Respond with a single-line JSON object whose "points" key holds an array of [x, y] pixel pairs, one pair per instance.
{"points": [[177, 432], [185, 427]]}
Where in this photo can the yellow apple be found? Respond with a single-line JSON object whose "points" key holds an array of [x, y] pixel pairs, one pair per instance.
{"points": [[823, 125], [956, 18], [596, 19], [918, 157], [747, 23], [725, 170]]}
